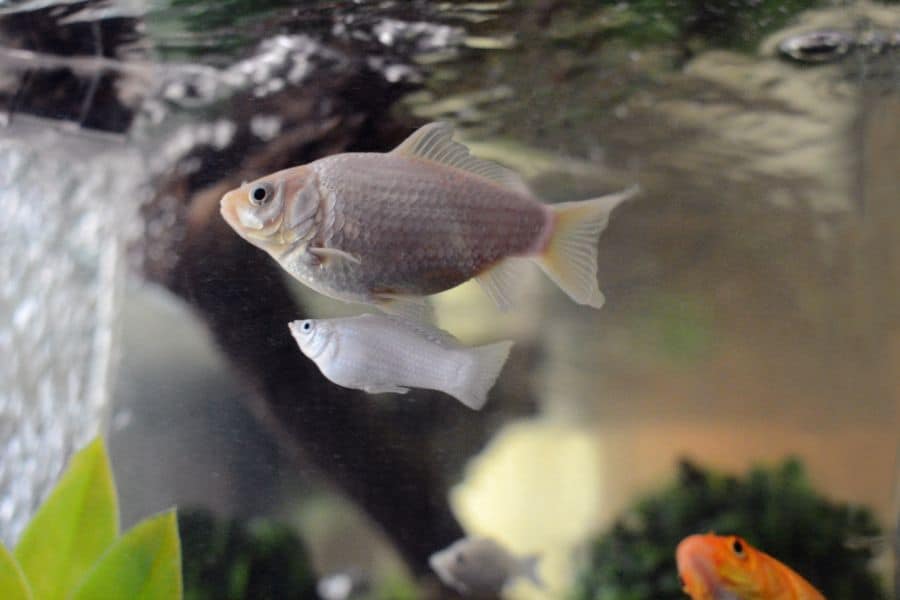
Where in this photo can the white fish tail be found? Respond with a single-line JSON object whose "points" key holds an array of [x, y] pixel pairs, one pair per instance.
{"points": [[528, 568], [483, 366], [570, 258]]}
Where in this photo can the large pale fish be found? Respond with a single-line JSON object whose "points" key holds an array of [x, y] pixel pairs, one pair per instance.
{"points": [[726, 567], [386, 353], [482, 567], [389, 229]]}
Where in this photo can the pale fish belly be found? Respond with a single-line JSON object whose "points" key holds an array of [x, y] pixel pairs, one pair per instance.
{"points": [[417, 227]]}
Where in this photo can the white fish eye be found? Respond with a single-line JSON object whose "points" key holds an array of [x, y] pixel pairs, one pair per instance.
{"points": [[260, 194], [306, 326]]}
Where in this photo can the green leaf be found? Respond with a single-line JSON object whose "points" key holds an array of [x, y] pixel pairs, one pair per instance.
{"points": [[74, 526], [13, 585], [145, 564]]}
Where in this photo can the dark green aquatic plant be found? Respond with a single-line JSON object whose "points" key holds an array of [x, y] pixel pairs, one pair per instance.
{"points": [[72, 549], [233, 559], [776, 509]]}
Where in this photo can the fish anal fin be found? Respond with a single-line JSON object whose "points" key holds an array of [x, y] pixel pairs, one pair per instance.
{"points": [[434, 142], [385, 389], [501, 282], [412, 308], [328, 254]]}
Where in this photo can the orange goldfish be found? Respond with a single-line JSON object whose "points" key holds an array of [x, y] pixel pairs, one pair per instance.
{"points": [[390, 228], [725, 567]]}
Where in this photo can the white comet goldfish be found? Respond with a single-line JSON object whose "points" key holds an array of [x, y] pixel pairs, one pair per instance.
{"points": [[388, 229], [383, 353]]}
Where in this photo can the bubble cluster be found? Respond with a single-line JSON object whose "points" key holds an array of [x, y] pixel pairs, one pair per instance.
{"points": [[61, 239]]}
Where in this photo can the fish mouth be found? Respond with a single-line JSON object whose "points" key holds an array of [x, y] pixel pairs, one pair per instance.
{"points": [[695, 565], [228, 209]]}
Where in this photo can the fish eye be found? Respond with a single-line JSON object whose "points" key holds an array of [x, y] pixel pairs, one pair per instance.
{"points": [[681, 582], [260, 194], [306, 326], [738, 547], [460, 559]]}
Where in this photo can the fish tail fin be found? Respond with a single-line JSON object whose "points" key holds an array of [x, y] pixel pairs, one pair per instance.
{"points": [[570, 258], [528, 568], [482, 368]]}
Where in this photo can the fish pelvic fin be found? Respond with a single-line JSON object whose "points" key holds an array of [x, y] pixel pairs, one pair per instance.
{"points": [[528, 568], [484, 364], [412, 308], [570, 258], [327, 254]]}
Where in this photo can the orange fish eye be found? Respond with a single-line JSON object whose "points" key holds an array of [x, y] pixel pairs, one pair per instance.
{"points": [[737, 546]]}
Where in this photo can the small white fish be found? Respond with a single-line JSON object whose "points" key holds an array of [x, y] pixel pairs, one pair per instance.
{"points": [[385, 353], [481, 566]]}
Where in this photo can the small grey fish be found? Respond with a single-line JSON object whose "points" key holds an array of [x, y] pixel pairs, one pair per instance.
{"points": [[391, 228], [481, 566], [384, 353]]}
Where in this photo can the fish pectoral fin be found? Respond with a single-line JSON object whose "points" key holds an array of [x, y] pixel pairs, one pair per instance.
{"points": [[385, 389], [326, 254], [434, 142], [412, 308], [501, 282]]}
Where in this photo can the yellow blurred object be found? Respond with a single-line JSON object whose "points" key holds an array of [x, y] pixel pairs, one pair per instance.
{"points": [[535, 489]]}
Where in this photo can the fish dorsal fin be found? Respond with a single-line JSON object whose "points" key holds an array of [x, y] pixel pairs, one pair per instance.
{"points": [[434, 142], [409, 307], [430, 332]]}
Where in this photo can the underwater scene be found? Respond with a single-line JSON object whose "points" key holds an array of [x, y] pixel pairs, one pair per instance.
{"points": [[437, 299]]}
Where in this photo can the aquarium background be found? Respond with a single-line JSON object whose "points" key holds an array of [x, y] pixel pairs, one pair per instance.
{"points": [[753, 288]]}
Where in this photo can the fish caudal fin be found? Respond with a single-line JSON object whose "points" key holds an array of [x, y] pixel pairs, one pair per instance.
{"points": [[570, 258], [484, 364], [528, 568]]}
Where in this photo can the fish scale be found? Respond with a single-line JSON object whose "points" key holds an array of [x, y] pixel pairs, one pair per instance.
{"points": [[435, 223]]}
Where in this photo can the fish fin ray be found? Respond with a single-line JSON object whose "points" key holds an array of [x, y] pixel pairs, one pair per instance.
{"points": [[570, 258], [412, 308], [430, 332], [501, 281], [484, 366], [434, 142], [326, 254]]}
